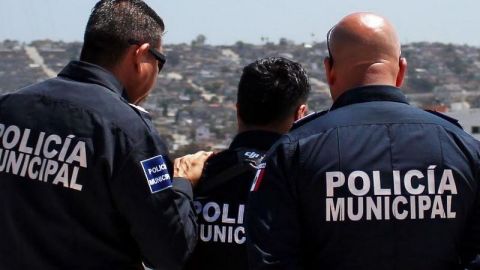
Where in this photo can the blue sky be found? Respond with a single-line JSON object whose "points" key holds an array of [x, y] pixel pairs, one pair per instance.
{"points": [[227, 21]]}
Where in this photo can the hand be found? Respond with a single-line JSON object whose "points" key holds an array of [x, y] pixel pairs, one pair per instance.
{"points": [[190, 166]]}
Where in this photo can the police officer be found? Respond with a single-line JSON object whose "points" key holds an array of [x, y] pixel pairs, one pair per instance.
{"points": [[374, 183], [271, 95], [85, 180]]}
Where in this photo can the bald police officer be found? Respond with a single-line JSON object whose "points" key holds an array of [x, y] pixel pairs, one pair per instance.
{"points": [[374, 183]]}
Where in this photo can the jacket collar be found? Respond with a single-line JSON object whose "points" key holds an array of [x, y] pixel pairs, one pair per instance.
{"points": [[91, 73], [257, 139], [369, 93]]}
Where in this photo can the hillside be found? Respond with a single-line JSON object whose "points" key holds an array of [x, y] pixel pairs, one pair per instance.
{"points": [[194, 99]]}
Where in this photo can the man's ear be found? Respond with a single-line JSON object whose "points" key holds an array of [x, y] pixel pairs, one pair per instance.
{"points": [[300, 112], [402, 64], [329, 72], [140, 56], [238, 114], [240, 125]]}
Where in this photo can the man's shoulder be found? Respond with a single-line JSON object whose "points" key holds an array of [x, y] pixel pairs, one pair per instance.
{"points": [[373, 113], [219, 162], [230, 157], [445, 117], [92, 103], [227, 166], [307, 119]]}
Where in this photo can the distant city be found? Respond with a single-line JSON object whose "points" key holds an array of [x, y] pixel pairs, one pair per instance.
{"points": [[193, 103]]}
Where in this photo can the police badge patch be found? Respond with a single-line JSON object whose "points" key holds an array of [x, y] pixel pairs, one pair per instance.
{"points": [[258, 177], [156, 173]]}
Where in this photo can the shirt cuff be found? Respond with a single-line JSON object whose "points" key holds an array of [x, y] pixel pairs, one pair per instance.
{"points": [[183, 185]]}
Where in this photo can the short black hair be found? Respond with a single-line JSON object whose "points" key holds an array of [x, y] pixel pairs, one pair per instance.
{"points": [[270, 90], [112, 24]]}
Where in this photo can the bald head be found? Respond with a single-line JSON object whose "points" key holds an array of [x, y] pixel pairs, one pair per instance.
{"points": [[365, 51]]}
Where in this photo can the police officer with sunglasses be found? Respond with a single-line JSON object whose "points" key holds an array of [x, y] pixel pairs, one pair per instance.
{"points": [[85, 179]]}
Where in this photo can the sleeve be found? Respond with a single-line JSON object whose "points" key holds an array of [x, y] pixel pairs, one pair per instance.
{"points": [[273, 229], [471, 243], [158, 209]]}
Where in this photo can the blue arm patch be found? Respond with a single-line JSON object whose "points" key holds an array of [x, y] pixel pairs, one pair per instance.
{"points": [[156, 173]]}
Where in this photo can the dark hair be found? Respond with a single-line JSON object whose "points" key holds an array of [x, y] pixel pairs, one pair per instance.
{"points": [[110, 26], [270, 89]]}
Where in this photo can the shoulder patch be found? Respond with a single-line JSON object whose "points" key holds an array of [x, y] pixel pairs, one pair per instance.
{"points": [[156, 173], [258, 177], [250, 155]]}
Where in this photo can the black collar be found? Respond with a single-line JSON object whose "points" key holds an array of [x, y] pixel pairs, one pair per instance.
{"points": [[369, 93], [90, 73], [256, 139]]}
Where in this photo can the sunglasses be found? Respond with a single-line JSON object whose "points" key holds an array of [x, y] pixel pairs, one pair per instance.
{"points": [[160, 57], [330, 57]]}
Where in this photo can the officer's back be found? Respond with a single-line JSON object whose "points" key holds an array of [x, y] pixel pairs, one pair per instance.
{"points": [[271, 96], [374, 183], [85, 180]]}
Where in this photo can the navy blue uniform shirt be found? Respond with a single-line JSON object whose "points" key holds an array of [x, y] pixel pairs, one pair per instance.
{"points": [[85, 180], [220, 199], [373, 184]]}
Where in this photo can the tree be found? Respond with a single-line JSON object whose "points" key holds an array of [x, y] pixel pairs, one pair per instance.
{"points": [[214, 100], [199, 41], [165, 109], [239, 45], [283, 42]]}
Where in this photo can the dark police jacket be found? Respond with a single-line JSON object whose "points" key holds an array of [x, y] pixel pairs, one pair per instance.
{"points": [[373, 184], [85, 180], [220, 201]]}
